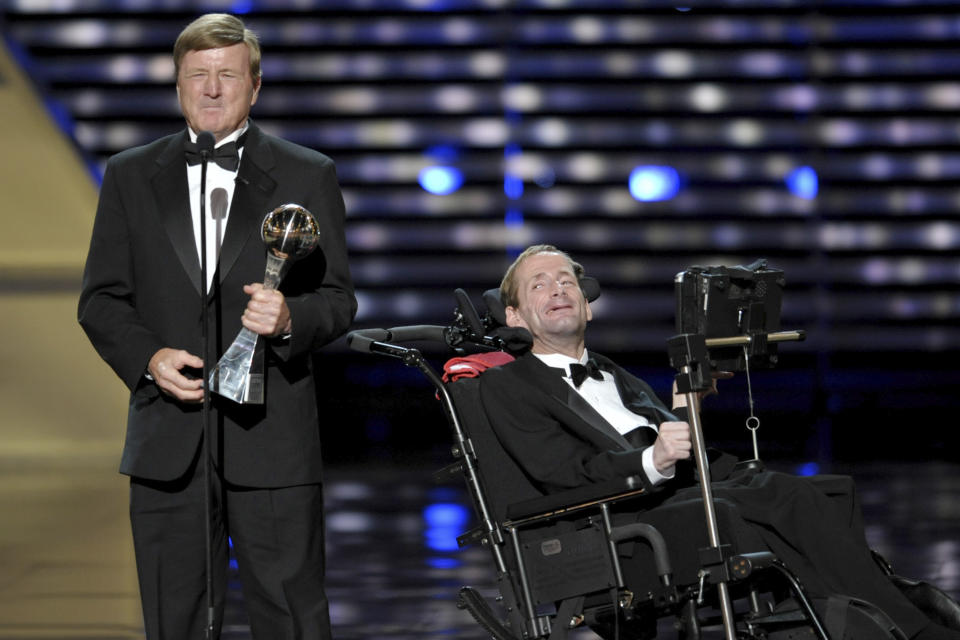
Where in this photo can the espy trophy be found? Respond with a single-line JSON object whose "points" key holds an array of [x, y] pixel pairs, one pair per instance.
{"points": [[290, 233]]}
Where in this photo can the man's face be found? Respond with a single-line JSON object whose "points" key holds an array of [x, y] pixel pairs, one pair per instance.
{"points": [[550, 304], [216, 89]]}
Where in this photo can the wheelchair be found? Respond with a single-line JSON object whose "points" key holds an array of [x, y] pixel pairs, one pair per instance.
{"points": [[558, 557]]}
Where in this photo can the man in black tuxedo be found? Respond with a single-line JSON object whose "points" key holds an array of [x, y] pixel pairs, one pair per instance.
{"points": [[141, 308], [569, 418]]}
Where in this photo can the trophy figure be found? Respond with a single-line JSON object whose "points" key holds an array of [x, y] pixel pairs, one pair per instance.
{"points": [[290, 233]]}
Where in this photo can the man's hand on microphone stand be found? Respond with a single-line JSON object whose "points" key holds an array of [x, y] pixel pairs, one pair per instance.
{"points": [[166, 367]]}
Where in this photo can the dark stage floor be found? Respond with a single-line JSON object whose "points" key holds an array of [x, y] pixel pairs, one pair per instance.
{"points": [[66, 561]]}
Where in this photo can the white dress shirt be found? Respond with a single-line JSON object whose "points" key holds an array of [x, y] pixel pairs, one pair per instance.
{"points": [[603, 396], [220, 185]]}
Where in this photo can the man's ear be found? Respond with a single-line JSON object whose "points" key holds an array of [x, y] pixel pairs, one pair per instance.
{"points": [[514, 319], [257, 82], [589, 310]]}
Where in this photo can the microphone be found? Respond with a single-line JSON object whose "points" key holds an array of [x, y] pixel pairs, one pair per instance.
{"points": [[205, 143], [363, 339], [433, 333], [376, 340]]}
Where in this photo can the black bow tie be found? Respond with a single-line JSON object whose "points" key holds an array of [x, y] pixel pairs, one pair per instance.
{"points": [[579, 372], [226, 155]]}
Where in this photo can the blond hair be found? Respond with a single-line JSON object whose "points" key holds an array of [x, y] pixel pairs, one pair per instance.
{"points": [[509, 286], [215, 30]]}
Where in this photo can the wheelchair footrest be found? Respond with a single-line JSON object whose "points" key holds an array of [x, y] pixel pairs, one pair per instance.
{"points": [[471, 600]]}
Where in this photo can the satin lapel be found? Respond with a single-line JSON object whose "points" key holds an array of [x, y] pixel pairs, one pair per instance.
{"points": [[555, 386], [634, 398], [250, 197], [171, 193]]}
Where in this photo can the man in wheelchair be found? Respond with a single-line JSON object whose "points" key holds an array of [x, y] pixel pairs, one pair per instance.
{"points": [[569, 418]]}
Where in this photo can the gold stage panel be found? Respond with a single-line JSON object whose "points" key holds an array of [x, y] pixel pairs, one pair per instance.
{"points": [[66, 558]]}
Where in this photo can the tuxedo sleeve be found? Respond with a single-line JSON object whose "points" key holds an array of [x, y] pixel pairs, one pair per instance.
{"points": [[530, 426], [320, 312], [106, 309]]}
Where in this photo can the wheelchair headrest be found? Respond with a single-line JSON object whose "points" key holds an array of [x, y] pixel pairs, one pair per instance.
{"points": [[495, 307]]}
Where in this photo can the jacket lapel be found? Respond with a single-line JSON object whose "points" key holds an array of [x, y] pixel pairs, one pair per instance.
{"points": [[548, 379], [634, 397], [171, 193], [254, 186]]}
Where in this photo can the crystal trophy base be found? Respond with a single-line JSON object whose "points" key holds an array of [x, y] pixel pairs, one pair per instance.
{"points": [[233, 376]]}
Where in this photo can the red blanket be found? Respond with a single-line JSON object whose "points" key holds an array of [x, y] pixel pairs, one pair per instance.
{"points": [[473, 365]]}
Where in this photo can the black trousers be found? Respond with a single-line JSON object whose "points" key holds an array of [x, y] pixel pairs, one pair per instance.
{"points": [[277, 537], [813, 525]]}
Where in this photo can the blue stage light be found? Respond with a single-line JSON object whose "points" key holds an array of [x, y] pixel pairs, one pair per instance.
{"points": [[442, 539], [241, 7], [440, 181], [444, 522], [513, 218], [444, 563], [445, 514], [233, 558], [513, 186], [803, 182], [808, 469], [654, 183], [443, 152]]}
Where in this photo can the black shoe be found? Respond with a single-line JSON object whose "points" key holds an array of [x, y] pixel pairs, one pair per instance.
{"points": [[934, 602], [934, 631]]}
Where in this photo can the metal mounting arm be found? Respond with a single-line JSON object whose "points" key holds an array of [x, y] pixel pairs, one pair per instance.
{"points": [[689, 356]]}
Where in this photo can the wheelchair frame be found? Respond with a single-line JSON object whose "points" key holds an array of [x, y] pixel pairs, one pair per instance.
{"points": [[525, 590]]}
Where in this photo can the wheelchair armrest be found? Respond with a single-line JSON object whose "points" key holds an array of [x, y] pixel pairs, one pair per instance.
{"points": [[572, 500]]}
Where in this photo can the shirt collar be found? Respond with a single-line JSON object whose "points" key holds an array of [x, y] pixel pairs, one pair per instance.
{"points": [[230, 138], [561, 361]]}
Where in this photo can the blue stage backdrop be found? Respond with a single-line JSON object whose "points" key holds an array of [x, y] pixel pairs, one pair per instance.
{"points": [[642, 136]]}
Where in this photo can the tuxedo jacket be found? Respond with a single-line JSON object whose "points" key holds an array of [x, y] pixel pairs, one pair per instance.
{"points": [[554, 435], [142, 292], [559, 442]]}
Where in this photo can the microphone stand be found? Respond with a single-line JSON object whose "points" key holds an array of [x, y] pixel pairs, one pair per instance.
{"points": [[205, 143]]}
